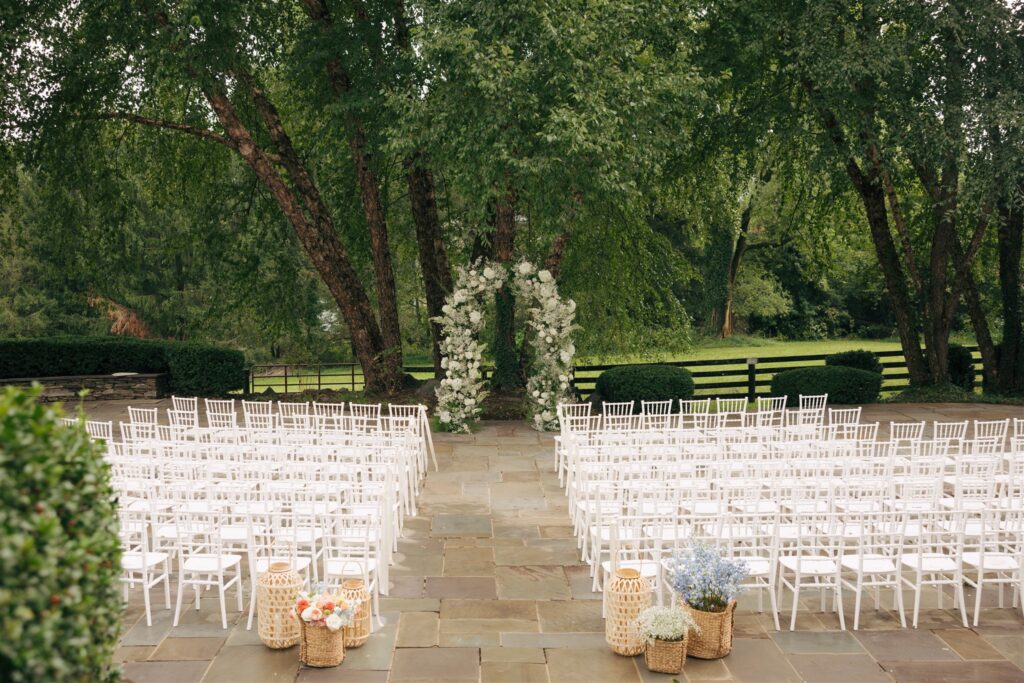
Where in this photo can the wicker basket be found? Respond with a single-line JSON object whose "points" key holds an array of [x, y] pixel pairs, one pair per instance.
{"points": [[357, 632], [276, 589], [666, 656], [626, 596], [320, 646], [713, 640]]}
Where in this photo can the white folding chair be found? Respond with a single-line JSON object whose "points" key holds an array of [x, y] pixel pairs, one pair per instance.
{"points": [[147, 416], [139, 562], [996, 556], [203, 562]]}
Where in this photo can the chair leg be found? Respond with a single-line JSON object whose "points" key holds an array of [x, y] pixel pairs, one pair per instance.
{"points": [[145, 599], [977, 597], [963, 602], [222, 599], [899, 600], [167, 586], [775, 606], [796, 601], [177, 602], [856, 602], [917, 602]]}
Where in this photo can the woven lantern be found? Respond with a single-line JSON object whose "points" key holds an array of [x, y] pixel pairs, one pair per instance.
{"points": [[356, 633], [626, 596], [276, 590]]}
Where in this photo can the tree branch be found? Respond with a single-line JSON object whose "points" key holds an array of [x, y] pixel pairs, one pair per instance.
{"points": [[196, 131]]}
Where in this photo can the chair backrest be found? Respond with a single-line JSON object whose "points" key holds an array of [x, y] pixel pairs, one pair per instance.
{"points": [[695, 406], [370, 410], [844, 416], [147, 416], [730, 412], [182, 418], [617, 408], [329, 409], [219, 406], [574, 409], [99, 429], [185, 403], [813, 402], [995, 429], [952, 432]]}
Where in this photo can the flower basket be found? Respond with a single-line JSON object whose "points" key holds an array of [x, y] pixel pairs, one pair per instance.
{"points": [[627, 595], [713, 639], [666, 656], [319, 646], [276, 589]]}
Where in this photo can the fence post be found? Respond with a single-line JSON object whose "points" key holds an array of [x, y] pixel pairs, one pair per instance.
{"points": [[318, 387], [751, 379], [286, 379], [352, 372]]}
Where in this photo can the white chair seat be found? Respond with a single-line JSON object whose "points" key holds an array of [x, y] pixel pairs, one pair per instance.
{"points": [[298, 563], [136, 561], [647, 569], [869, 564], [756, 566], [930, 562], [809, 565], [353, 567], [993, 562], [210, 563]]}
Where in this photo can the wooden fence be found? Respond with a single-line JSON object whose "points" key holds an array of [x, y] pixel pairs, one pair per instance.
{"points": [[716, 377]]}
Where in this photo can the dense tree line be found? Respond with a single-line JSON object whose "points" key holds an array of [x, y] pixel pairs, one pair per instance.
{"points": [[288, 175]]}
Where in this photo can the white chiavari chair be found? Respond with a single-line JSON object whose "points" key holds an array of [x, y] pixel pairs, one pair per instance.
{"points": [[294, 416], [139, 561], [352, 551], [656, 414], [98, 429], [203, 562], [149, 416], [730, 413], [996, 555], [932, 557], [871, 549], [811, 558]]}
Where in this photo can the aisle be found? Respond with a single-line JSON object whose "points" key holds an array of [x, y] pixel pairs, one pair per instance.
{"points": [[488, 583]]}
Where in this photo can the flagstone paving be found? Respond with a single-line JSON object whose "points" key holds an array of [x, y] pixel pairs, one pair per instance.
{"points": [[488, 587]]}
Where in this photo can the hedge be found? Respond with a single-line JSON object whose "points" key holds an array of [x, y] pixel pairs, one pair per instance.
{"points": [[961, 367], [195, 369], [645, 383], [60, 565], [842, 384], [860, 359]]}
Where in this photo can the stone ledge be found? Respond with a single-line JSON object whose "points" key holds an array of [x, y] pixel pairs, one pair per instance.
{"points": [[101, 387]]}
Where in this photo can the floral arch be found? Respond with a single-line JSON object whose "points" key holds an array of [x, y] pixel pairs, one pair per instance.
{"points": [[462, 391]]}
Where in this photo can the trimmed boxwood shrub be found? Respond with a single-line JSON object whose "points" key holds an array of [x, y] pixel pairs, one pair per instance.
{"points": [[60, 596], [843, 385], [645, 383], [860, 359], [195, 369], [961, 367], [199, 370]]}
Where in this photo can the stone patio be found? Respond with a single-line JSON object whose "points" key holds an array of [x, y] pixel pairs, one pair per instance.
{"points": [[488, 587]]}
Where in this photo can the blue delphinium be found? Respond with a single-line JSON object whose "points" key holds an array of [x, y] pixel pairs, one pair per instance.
{"points": [[706, 580]]}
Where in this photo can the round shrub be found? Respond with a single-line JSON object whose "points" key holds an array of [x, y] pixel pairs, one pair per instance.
{"points": [[961, 367], [645, 383], [60, 602], [860, 359], [843, 385]]}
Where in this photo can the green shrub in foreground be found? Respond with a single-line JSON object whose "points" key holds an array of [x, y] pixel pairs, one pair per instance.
{"points": [[860, 359], [843, 385], [645, 383], [60, 603]]}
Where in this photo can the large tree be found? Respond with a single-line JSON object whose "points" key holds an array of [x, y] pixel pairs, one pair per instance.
{"points": [[901, 96]]}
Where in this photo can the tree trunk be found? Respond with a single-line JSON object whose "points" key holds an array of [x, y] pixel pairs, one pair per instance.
{"points": [[1010, 240], [384, 273], [317, 235], [506, 361], [437, 276], [734, 266]]}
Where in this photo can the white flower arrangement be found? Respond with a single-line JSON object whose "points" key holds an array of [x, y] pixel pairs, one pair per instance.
{"points": [[461, 392], [664, 623]]}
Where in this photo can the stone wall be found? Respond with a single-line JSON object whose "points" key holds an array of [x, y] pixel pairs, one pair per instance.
{"points": [[101, 387]]}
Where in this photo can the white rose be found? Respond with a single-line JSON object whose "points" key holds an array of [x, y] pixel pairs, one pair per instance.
{"points": [[565, 357], [549, 304], [459, 297], [334, 622], [525, 267], [489, 272], [544, 275], [474, 317], [307, 614]]}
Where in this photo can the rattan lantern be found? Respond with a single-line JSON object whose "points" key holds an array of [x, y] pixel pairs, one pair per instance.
{"points": [[276, 590], [357, 632], [626, 595]]}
